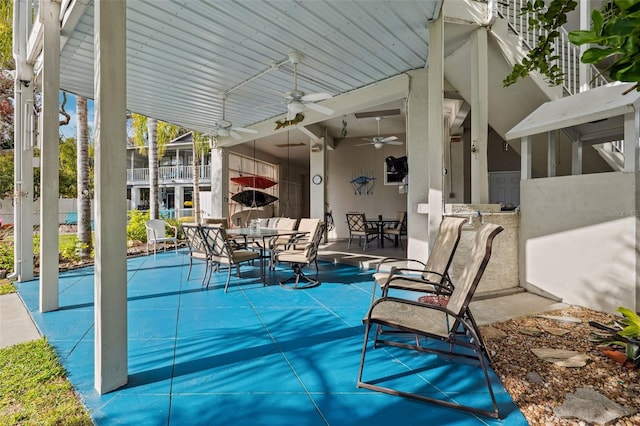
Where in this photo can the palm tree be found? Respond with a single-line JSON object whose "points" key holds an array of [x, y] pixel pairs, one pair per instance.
{"points": [[154, 135], [84, 194], [200, 148]]}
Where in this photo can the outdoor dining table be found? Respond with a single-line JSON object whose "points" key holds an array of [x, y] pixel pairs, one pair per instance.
{"points": [[380, 223], [264, 234]]}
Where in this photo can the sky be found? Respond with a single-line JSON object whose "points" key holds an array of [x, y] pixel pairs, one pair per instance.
{"points": [[71, 129]]}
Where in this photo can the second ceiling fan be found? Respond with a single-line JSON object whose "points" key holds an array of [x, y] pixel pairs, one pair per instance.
{"points": [[225, 128], [380, 141], [297, 101]]}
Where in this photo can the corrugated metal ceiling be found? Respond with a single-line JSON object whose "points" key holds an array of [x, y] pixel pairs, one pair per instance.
{"points": [[182, 53]]}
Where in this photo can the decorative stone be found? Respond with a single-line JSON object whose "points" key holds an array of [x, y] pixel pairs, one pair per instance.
{"points": [[531, 332], [555, 331], [533, 377], [561, 357], [561, 319], [588, 405], [493, 334]]}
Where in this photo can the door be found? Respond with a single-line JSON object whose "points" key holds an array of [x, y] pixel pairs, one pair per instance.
{"points": [[504, 187]]}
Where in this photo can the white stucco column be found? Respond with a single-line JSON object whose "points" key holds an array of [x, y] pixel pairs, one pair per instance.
{"points": [[479, 73], [525, 158], [435, 118], [219, 182], [23, 176], [576, 157], [584, 70], [110, 370], [49, 154], [317, 167], [631, 140], [552, 163], [417, 136]]}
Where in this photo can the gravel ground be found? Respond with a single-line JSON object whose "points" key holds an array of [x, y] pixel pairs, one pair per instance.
{"points": [[513, 359]]}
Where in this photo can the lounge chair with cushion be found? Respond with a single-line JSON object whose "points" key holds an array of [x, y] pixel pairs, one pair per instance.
{"points": [[452, 324]]}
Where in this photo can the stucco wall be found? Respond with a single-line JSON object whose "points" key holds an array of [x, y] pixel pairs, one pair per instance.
{"points": [[348, 161], [577, 239]]}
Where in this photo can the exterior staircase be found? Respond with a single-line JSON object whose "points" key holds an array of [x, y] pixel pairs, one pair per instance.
{"points": [[509, 39]]}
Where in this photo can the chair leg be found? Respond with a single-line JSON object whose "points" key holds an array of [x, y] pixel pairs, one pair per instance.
{"points": [[226, 285], [190, 264], [349, 245], [293, 282]]}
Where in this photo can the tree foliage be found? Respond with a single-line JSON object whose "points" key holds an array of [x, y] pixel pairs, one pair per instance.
{"points": [[6, 34], [615, 32]]}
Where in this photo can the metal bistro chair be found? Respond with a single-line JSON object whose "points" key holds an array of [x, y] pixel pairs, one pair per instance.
{"points": [[197, 247], [221, 252], [397, 231], [306, 227], [454, 325], [302, 256], [358, 227], [157, 233]]}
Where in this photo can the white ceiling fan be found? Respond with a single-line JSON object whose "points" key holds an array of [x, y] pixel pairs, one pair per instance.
{"points": [[380, 141], [297, 101], [225, 128]]}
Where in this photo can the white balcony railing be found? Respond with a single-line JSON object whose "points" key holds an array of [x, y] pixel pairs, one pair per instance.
{"points": [[169, 174]]}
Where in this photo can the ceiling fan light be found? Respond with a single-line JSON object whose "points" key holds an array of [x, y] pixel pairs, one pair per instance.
{"points": [[296, 107], [378, 145], [223, 132]]}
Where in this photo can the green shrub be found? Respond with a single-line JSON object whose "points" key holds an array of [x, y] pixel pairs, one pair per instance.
{"points": [[136, 230], [70, 247], [176, 223], [6, 255]]}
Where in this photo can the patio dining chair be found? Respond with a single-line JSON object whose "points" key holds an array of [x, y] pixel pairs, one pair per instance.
{"points": [[221, 252], [358, 227], [453, 325], [196, 245], [397, 231], [302, 256], [157, 233], [434, 277], [306, 228]]}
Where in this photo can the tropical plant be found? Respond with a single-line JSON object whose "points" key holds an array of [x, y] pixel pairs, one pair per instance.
{"points": [[136, 229], [615, 30], [6, 255], [622, 335]]}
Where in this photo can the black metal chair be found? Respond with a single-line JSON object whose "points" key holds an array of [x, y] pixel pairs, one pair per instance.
{"points": [[197, 247], [357, 223]]}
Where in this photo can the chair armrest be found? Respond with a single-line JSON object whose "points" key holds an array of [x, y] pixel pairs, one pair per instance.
{"points": [[438, 287], [388, 260]]}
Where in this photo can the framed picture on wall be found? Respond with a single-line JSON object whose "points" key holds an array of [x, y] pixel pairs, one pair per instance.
{"points": [[395, 170]]}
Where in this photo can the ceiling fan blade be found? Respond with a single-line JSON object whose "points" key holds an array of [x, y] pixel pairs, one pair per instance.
{"points": [[234, 135], [363, 144], [291, 114], [388, 139], [394, 143], [315, 97], [244, 130], [320, 108]]}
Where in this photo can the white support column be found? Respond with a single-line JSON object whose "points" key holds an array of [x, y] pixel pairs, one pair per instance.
{"points": [[219, 182], [479, 117], [110, 371], [525, 158], [317, 192], [584, 70], [576, 157], [631, 141], [435, 118], [179, 199], [552, 162], [49, 154]]}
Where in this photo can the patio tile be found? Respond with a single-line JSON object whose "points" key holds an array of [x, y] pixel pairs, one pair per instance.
{"points": [[255, 355]]}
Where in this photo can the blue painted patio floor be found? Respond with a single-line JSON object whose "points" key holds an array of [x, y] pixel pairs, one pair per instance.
{"points": [[255, 355]]}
